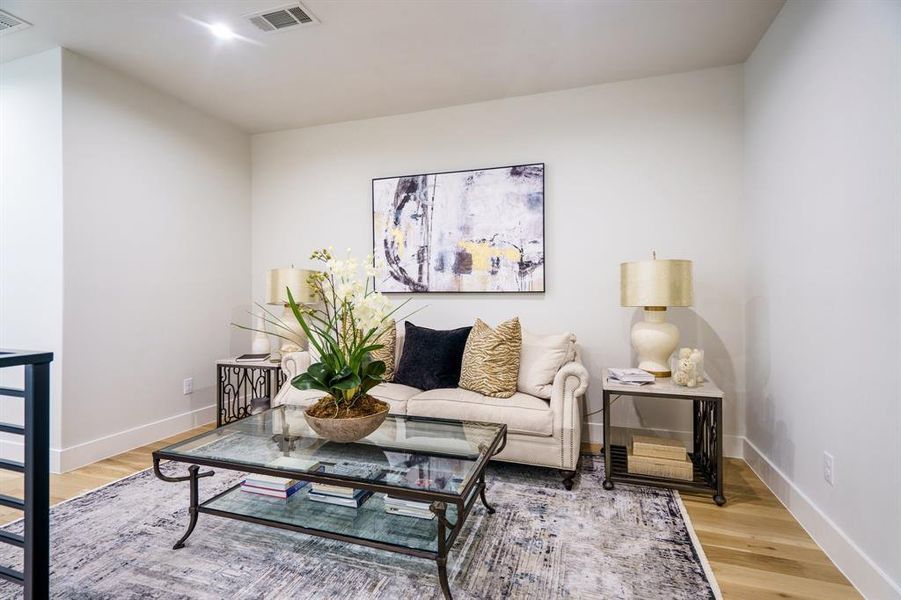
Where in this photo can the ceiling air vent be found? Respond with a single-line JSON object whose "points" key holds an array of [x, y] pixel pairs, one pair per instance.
{"points": [[9, 23], [278, 19]]}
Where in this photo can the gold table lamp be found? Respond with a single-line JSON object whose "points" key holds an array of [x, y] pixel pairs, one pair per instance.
{"points": [[655, 285], [278, 282]]}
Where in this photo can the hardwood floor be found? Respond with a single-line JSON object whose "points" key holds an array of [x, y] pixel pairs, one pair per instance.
{"points": [[756, 548]]}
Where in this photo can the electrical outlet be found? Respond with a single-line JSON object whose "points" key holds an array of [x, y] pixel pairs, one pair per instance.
{"points": [[828, 468], [187, 386]]}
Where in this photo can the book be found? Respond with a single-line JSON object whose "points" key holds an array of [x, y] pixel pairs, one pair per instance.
{"points": [[252, 357], [281, 483], [408, 508], [269, 482], [630, 376], [655, 447], [404, 503], [333, 490], [280, 487], [275, 493], [416, 514], [355, 502]]}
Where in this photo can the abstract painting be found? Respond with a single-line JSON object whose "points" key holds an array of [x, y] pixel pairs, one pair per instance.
{"points": [[461, 231]]}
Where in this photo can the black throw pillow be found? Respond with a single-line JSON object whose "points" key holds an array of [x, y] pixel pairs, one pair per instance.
{"points": [[431, 358]]}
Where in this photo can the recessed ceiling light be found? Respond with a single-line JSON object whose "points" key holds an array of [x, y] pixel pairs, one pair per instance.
{"points": [[222, 31]]}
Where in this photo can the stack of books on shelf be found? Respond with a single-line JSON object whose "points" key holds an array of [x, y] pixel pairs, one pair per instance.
{"points": [[346, 496], [340, 496], [659, 457], [279, 487], [267, 485], [408, 508]]}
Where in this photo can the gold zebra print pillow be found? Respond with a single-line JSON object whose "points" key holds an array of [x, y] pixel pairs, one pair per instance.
{"points": [[491, 359], [386, 354]]}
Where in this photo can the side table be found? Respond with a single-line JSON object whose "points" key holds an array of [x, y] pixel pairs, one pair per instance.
{"points": [[707, 450], [245, 386]]}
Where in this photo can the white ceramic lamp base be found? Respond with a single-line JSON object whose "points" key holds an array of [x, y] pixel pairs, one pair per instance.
{"points": [[655, 340], [290, 321]]}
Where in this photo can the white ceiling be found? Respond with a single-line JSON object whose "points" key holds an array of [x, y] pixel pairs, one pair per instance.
{"points": [[378, 57]]}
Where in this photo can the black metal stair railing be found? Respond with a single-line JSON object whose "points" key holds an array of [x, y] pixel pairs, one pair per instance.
{"points": [[36, 468]]}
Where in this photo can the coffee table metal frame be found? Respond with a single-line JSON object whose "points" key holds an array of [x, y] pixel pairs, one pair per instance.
{"points": [[447, 530]]}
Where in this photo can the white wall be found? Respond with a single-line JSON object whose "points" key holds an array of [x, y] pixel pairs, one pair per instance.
{"points": [[31, 223], [630, 167], [157, 203], [823, 149]]}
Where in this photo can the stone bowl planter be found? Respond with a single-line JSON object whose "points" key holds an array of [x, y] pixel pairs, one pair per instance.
{"points": [[346, 430]]}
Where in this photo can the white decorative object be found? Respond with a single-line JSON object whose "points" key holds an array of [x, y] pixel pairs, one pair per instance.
{"points": [[260, 343], [688, 367], [654, 285]]}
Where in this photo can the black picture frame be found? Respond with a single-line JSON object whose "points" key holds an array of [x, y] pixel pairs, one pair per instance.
{"points": [[482, 292]]}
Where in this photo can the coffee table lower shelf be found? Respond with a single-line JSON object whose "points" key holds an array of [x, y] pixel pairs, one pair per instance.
{"points": [[367, 525]]}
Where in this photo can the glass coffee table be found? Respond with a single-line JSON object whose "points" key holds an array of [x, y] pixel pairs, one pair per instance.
{"points": [[440, 462]]}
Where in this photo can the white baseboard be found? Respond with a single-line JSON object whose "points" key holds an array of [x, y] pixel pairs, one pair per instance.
{"points": [[861, 571], [73, 457], [733, 445]]}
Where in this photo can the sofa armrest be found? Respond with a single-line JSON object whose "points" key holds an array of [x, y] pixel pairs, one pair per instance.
{"points": [[295, 363], [578, 376], [570, 384]]}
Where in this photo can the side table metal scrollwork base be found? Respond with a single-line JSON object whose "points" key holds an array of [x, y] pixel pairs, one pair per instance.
{"points": [[244, 389]]}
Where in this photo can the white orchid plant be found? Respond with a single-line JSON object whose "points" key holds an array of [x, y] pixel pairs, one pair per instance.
{"points": [[343, 329]]}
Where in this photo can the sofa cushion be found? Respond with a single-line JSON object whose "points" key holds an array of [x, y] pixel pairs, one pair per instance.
{"points": [[394, 394], [521, 413], [540, 359], [431, 358], [491, 359]]}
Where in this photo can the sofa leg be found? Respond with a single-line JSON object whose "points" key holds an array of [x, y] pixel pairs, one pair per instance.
{"points": [[568, 477]]}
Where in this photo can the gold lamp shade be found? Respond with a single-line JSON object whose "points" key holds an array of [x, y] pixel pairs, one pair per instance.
{"points": [[279, 280], [656, 283]]}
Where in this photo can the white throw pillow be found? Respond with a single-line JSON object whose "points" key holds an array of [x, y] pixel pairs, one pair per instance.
{"points": [[540, 359]]}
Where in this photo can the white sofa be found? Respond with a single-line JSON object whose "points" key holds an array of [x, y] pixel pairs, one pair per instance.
{"points": [[545, 433]]}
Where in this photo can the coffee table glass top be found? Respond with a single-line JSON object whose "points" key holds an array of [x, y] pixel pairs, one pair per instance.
{"points": [[414, 453]]}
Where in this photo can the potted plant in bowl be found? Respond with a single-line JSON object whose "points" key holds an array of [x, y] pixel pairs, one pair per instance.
{"points": [[343, 329]]}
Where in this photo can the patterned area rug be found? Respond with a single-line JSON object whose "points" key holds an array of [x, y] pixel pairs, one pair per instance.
{"points": [[543, 542]]}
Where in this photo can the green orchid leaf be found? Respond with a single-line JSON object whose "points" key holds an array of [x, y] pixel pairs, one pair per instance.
{"points": [[375, 369], [347, 381], [372, 375], [321, 372], [305, 382]]}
